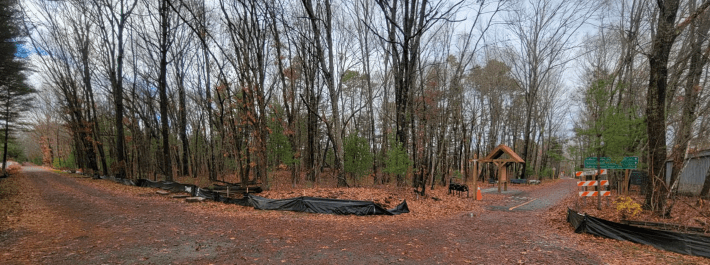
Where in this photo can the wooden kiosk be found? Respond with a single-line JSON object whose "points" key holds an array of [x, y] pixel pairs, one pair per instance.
{"points": [[496, 157]]}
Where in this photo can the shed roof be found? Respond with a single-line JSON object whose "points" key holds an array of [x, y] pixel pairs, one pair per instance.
{"points": [[499, 151]]}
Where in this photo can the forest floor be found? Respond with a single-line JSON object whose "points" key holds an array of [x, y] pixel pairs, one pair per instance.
{"points": [[57, 218]]}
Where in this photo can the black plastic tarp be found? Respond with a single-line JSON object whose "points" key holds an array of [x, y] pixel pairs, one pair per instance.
{"points": [[123, 181], [321, 205], [689, 244], [300, 204], [165, 185]]}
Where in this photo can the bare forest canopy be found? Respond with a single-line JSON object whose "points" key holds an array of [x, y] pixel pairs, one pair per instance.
{"points": [[363, 91]]}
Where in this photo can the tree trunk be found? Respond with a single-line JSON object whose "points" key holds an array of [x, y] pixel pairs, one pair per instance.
{"points": [[7, 136], [98, 144], [162, 88], [312, 131], [656, 99], [182, 113], [211, 162], [530, 98], [118, 122], [87, 138]]}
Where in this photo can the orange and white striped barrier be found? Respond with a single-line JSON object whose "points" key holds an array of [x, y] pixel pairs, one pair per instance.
{"points": [[592, 183], [586, 183], [594, 193], [588, 193], [590, 172]]}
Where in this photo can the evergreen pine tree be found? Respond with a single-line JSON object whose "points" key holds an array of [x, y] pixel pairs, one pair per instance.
{"points": [[397, 161], [612, 130], [358, 158], [15, 94]]}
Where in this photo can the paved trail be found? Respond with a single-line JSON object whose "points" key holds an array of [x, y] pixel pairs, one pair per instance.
{"points": [[536, 200], [79, 223]]}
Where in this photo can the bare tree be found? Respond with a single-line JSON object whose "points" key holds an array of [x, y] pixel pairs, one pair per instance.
{"points": [[696, 37], [164, 46], [662, 42], [111, 17], [66, 36], [406, 22], [544, 34], [325, 54]]}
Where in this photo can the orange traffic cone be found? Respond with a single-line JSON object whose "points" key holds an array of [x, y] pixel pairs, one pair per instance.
{"points": [[478, 194]]}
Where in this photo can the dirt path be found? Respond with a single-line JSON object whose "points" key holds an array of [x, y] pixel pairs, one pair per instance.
{"points": [[68, 220]]}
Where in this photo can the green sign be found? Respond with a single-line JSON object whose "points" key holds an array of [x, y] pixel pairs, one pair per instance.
{"points": [[629, 162]]}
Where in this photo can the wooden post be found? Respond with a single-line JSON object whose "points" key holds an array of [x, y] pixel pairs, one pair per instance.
{"points": [[475, 173], [577, 190], [585, 188], [603, 188], [598, 188], [626, 182], [500, 175], [505, 177]]}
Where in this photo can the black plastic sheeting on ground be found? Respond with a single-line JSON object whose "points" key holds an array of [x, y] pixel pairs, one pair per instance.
{"points": [[688, 244], [300, 204], [321, 205], [123, 181], [166, 185]]}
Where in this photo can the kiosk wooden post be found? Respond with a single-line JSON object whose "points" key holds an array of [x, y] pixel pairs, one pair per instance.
{"points": [[475, 174]]}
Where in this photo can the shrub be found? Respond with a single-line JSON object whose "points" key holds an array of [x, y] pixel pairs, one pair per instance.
{"points": [[397, 161], [546, 172], [67, 163], [626, 207], [358, 158], [278, 147]]}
